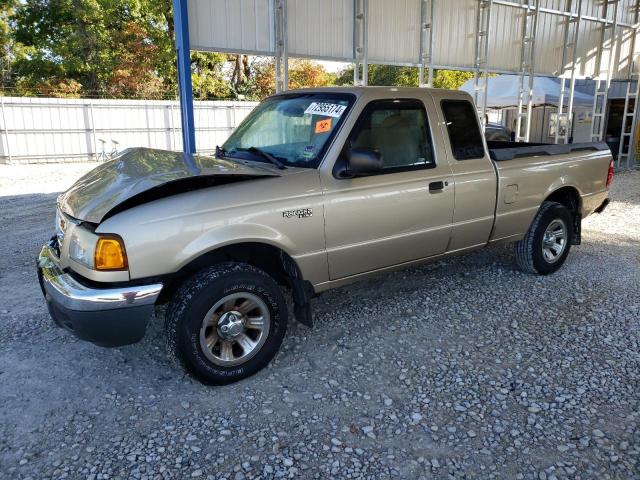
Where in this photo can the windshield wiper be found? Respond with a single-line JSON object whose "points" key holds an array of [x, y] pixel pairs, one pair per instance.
{"points": [[266, 155]]}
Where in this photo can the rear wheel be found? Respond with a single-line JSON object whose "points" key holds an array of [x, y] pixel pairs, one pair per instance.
{"points": [[226, 323], [546, 244]]}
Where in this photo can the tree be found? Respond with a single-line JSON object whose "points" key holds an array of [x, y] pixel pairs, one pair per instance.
{"points": [[302, 73], [241, 71], [451, 79], [102, 45], [10, 50], [381, 75], [133, 74], [57, 88], [390, 75], [114, 48], [67, 40], [305, 73], [207, 76]]}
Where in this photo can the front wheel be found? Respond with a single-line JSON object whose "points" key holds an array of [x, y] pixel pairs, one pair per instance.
{"points": [[226, 323], [546, 244]]}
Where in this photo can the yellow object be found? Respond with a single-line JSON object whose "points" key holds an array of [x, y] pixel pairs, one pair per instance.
{"points": [[110, 254]]}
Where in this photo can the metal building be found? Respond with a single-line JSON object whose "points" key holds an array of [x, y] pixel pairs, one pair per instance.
{"points": [[569, 39]]}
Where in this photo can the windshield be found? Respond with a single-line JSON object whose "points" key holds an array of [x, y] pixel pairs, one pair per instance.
{"points": [[296, 129]]}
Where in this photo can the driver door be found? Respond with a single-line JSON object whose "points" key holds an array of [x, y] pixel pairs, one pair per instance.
{"points": [[400, 214]]}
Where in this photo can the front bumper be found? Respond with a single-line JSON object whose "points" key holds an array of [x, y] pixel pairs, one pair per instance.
{"points": [[109, 317]]}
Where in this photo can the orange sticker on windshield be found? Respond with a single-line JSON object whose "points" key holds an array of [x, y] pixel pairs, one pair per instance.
{"points": [[323, 126]]}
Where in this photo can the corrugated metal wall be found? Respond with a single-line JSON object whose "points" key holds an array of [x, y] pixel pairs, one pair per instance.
{"points": [[48, 129], [394, 31], [321, 29], [505, 38], [325, 30], [548, 53], [454, 33], [232, 25]]}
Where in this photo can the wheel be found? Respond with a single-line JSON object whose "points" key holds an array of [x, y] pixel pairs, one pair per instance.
{"points": [[546, 244], [227, 322]]}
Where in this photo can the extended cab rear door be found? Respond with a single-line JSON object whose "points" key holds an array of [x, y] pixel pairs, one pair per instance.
{"points": [[474, 175], [401, 214]]}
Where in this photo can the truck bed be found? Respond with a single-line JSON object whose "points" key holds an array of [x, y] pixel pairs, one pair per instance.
{"points": [[503, 151]]}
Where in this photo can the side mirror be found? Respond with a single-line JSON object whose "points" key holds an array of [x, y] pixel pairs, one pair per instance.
{"points": [[363, 162]]}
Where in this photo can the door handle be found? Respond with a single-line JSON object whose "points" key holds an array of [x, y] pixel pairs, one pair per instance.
{"points": [[436, 186]]}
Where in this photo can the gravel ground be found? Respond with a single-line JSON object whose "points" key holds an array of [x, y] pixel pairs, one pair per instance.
{"points": [[466, 368]]}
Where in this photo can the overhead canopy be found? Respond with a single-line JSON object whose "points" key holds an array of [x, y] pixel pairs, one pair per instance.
{"points": [[575, 39], [389, 32], [503, 91]]}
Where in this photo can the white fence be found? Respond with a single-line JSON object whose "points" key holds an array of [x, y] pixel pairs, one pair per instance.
{"points": [[39, 130]]}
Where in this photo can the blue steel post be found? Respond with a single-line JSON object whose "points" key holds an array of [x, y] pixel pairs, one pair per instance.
{"points": [[181, 25]]}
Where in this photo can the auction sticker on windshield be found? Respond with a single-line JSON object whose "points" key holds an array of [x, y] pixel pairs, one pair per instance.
{"points": [[326, 109], [323, 125]]}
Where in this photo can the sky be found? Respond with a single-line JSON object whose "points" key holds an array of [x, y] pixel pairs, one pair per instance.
{"points": [[333, 67]]}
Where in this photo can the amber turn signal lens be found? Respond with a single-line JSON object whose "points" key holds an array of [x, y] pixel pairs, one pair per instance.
{"points": [[110, 254]]}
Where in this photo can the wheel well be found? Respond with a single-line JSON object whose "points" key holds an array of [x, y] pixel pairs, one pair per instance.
{"points": [[273, 260], [567, 196], [570, 198]]}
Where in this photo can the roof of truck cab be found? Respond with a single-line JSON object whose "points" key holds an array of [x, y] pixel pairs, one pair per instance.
{"points": [[376, 92]]}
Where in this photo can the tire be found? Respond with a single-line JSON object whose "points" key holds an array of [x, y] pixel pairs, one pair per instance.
{"points": [[530, 251], [201, 348]]}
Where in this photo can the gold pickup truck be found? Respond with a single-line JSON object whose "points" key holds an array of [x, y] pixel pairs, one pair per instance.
{"points": [[315, 188]]}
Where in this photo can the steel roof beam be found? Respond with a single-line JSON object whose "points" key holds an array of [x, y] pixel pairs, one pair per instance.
{"points": [[281, 45], [481, 59], [427, 9], [185, 90], [527, 64], [360, 41]]}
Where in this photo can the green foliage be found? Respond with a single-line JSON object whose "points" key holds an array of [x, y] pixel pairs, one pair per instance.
{"points": [[392, 75], [451, 79], [10, 50], [389, 75], [102, 46], [105, 48], [208, 76], [302, 73]]}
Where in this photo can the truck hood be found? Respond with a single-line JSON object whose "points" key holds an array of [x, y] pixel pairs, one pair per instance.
{"points": [[141, 175]]}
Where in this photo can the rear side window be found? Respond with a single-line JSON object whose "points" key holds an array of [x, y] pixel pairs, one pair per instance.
{"points": [[464, 132]]}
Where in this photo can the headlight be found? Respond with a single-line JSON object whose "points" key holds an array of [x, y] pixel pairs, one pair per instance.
{"points": [[82, 246], [97, 252]]}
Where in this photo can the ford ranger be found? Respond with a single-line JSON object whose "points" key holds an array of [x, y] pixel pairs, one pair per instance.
{"points": [[316, 188]]}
